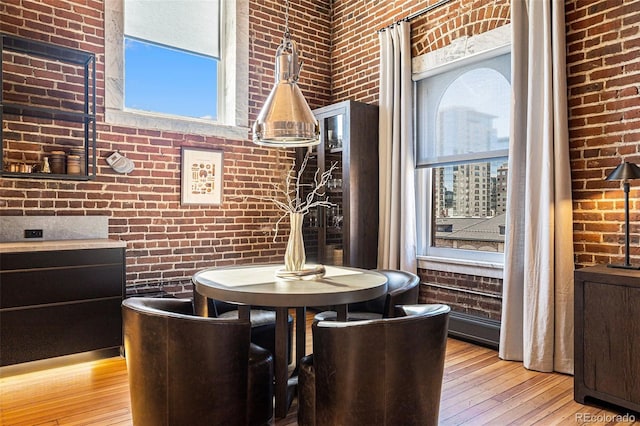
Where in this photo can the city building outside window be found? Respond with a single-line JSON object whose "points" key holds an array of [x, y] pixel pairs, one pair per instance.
{"points": [[462, 141]]}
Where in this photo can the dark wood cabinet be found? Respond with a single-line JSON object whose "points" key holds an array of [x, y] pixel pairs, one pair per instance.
{"points": [[55, 303], [346, 234], [607, 336]]}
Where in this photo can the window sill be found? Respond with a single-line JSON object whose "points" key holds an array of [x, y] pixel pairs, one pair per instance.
{"points": [[143, 120], [461, 266]]}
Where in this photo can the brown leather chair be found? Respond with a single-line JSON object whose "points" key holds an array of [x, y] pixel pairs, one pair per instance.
{"points": [[263, 320], [185, 369], [375, 372], [402, 289]]}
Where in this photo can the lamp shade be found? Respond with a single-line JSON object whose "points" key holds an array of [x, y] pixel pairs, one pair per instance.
{"points": [[625, 171], [286, 119]]}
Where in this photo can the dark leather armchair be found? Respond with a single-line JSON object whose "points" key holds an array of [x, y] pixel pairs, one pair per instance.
{"points": [[375, 372], [185, 369], [263, 321], [402, 289]]}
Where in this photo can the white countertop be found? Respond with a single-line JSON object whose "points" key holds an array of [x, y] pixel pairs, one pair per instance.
{"points": [[53, 245]]}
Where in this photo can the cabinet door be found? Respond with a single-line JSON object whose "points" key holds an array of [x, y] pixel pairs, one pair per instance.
{"points": [[313, 225], [56, 330], [612, 340], [336, 140], [42, 286], [324, 227], [47, 277]]}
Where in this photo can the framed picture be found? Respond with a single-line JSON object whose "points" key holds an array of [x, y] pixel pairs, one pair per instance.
{"points": [[201, 176]]}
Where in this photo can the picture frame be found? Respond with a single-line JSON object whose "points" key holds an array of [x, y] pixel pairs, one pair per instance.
{"points": [[202, 176]]}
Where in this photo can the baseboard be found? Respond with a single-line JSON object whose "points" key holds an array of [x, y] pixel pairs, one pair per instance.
{"points": [[60, 361], [474, 329]]}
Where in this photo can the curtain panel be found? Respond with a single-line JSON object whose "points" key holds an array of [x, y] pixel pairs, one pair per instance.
{"points": [[397, 232], [537, 306]]}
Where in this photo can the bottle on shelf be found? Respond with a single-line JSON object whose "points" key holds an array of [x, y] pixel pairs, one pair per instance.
{"points": [[46, 168]]}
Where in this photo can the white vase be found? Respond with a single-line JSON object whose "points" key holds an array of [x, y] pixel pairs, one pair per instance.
{"points": [[294, 256]]}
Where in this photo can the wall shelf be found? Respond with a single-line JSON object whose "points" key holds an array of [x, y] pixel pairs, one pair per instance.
{"points": [[47, 103], [46, 113], [38, 175]]}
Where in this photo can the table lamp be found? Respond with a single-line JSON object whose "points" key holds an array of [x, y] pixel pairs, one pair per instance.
{"points": [[625, 172]]}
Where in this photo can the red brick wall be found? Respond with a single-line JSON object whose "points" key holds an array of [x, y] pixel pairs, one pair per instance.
{"points": [[603, 73], [355, 47], [309, 24], [166, 241]]}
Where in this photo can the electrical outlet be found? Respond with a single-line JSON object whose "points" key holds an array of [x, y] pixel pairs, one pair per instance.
{"points": [[33, 233]]}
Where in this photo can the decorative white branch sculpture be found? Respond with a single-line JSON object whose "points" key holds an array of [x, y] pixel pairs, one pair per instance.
{"points": [[287, 195]]}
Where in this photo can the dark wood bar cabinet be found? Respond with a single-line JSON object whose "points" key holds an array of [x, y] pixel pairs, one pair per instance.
{"points": [[607, 336]]}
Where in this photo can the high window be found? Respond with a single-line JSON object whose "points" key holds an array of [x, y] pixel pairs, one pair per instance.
{"points": [[463, 115], [179, 66], [172, 51], [165, 80]]}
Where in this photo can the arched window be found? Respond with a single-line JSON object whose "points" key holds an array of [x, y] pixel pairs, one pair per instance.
{"points": [[462, 146]]}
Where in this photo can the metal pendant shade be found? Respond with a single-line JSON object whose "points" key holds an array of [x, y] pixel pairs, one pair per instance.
{"points": [[286, 119], [625, 171]]}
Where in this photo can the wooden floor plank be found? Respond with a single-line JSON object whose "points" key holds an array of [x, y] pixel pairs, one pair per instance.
{"points": [[547, 404], [453, 386], [104, 416], [461, 367], [479, 390], [509, 409]]}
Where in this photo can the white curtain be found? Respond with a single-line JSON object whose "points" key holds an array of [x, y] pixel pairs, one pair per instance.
{"points": [[397, 231], [537, 307]]}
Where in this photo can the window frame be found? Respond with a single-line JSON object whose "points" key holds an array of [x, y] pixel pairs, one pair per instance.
{"points": [[487, 45], [233, 78]]}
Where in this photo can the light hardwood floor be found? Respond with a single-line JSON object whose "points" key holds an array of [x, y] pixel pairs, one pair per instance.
{"points": [[478, 389]]}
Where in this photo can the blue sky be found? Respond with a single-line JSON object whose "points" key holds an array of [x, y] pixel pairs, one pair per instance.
{"points": [[165, 80]]}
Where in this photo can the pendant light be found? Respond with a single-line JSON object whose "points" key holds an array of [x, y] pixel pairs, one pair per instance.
{"points": [[286, 119]]}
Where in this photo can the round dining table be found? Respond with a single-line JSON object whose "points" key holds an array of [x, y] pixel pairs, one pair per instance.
{"points": [[259, 285]]}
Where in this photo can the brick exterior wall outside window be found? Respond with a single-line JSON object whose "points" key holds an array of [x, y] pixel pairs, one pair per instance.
{"points": [[167, 242], [469, 294]]}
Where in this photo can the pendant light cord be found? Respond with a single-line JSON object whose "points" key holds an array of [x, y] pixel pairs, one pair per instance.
{"points": [[287, 34], [289, 122]]}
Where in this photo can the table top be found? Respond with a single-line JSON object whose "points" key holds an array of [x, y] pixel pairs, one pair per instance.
{"points": [[258, 285]]}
